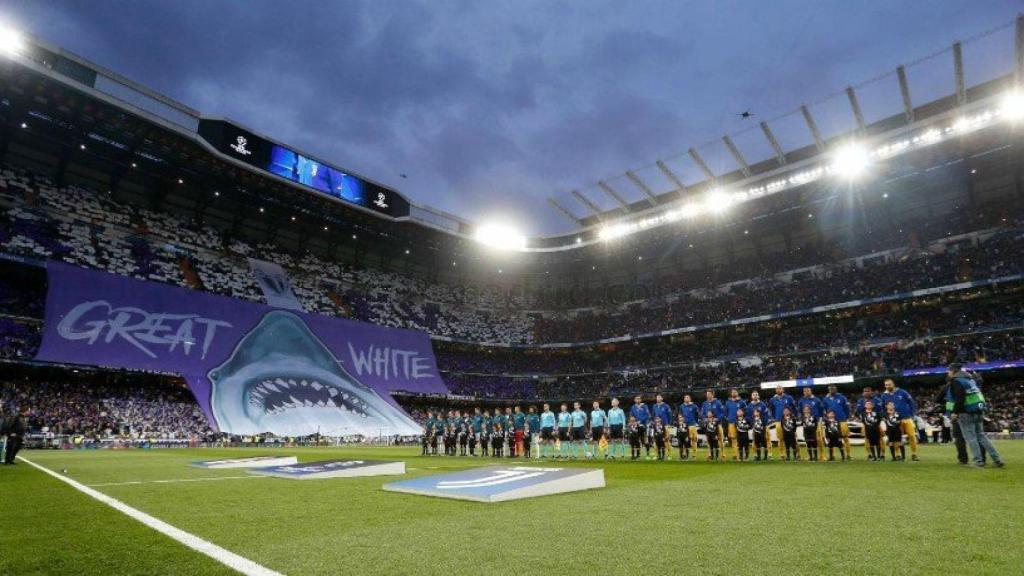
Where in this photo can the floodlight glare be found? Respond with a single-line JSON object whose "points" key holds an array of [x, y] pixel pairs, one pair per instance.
{"points": [[851, 161], [1013, 106], [11, 41], [500, 236], [718, 201], [689, 210]]}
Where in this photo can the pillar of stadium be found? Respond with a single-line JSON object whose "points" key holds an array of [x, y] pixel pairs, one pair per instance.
{"points": [[680, 188], [858, 116], [566, 212], [780, 156], [593, 207], [813, 127], [960, 88], [652, 199], [744, 167], [611, 192], [701, 164], [1018, 69], [908, 105]]}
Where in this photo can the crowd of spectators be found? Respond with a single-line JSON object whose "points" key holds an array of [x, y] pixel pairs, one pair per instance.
{"points": [[112, 407], [90, 229]]}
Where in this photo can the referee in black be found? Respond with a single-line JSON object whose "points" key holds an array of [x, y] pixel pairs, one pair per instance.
{"points": [[15, 428]]}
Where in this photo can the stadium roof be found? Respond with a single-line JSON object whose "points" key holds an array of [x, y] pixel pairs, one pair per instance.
{"points": [[90, 104]]}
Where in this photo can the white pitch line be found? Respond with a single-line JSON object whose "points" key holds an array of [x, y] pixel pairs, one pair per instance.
{"points": [[211, 478], [225, 557]]}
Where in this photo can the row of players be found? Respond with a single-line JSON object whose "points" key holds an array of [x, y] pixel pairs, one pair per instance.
{"points": [[886, 417]]}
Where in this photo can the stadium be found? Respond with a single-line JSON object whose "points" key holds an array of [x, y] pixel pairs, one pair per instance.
{"points": [[796, 347]]}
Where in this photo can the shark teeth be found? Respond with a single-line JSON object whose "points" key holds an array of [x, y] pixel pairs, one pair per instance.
{"points": [[281, 394]]}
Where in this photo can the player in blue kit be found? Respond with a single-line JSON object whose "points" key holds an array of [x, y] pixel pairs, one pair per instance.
{"points": [[906, 408], [840, 406], [714, 407], [733, 405], [691, 419], [809, 400], [663, 411], [778, 404], [617, 429], [642, 413]]}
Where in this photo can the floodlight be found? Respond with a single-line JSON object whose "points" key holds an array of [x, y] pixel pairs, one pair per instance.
{"points": [[851, 161], [11, 41], [1013, 105], [718, 201], [500, 236]]}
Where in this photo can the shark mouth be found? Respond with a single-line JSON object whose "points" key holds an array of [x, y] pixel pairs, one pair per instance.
{"points": [[281, 394], [281, 378]]}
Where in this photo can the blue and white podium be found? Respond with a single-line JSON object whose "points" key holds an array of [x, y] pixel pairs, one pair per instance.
{"points": [[251, 462], [333, 469], [502, 483]]}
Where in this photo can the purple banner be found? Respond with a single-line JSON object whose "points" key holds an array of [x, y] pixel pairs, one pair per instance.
{"points": [[251, 367]]}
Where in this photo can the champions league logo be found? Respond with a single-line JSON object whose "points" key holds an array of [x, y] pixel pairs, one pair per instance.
{"points": [[381, 201], [240, 146]]}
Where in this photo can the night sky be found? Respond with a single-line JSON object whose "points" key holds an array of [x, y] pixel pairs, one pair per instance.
{"points": [[491, 107]]}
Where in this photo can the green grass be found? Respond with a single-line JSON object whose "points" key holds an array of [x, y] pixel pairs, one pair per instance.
{"points": [[660, 518]]}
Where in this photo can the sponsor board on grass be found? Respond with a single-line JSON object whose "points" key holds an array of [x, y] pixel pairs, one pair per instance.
{"points": [[501, 483], [253, 462], [333, 469]]}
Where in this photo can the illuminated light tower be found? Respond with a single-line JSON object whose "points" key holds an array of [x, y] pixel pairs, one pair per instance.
{"points": [[500, 236], [851, 161], [1012, 106], [11, 41]]}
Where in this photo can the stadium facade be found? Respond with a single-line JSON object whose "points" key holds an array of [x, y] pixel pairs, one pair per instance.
{"points": [[689, 287]]}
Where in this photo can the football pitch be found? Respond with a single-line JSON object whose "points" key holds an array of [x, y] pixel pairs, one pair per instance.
{"points": [[855, 517]]}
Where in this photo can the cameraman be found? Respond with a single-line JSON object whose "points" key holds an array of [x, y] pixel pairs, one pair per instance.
{"points": [[967, 404], [15, 429], [946, 410]]}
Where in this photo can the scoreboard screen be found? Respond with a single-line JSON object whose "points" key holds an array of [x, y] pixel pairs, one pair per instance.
{"points": [[291, 165]]}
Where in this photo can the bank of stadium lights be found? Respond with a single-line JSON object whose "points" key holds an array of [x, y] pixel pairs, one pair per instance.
{"points": [[11, 41], [500, 236], [851, 160]]}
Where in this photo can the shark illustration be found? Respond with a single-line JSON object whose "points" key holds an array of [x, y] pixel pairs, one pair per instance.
{"points": [[281, 378]]}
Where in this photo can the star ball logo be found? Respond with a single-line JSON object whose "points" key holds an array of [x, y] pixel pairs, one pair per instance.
{"points": [[240, 146]]}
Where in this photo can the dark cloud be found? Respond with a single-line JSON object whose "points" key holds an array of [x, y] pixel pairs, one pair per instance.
{"points": [[490, 107]]}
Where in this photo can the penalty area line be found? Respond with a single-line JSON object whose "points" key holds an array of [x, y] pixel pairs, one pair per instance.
{"points": [[225, 557]]}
